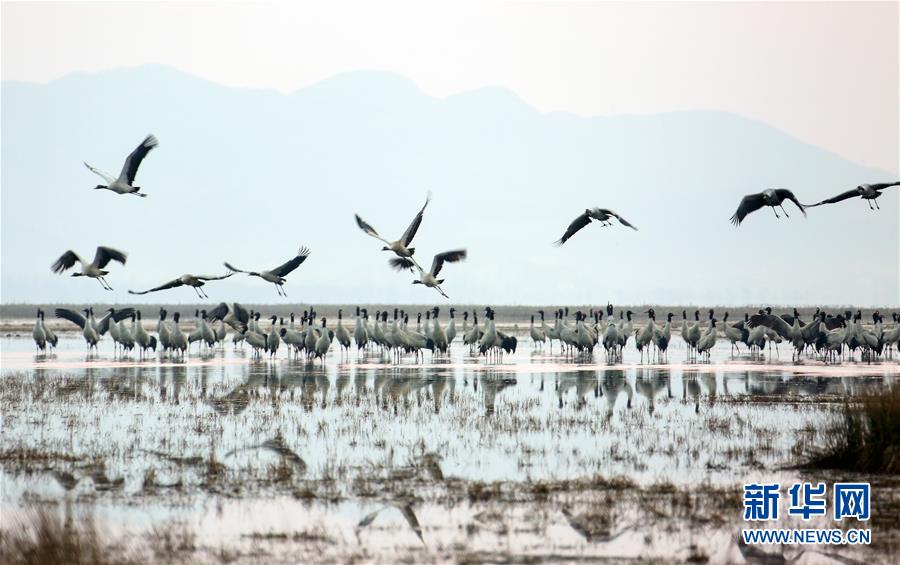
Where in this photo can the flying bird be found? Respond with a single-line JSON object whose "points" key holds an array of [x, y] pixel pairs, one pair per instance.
{"points": [[195, 281], [602, 215], [770, 197], [868, 192], [276, 275], [429, 278], [95, 269], [125, 183], [400, 247]]}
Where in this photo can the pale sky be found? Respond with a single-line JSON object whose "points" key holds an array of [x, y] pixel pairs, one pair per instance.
{"points": [[826, 73]]}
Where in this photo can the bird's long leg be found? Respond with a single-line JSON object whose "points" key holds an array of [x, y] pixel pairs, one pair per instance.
{"points": [[107, 283], [876, 203], [99, 280], [197, 290], [783, 210], [283, 293], [775, 211]]}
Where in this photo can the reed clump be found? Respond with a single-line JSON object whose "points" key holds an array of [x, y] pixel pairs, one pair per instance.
{"points": [[866, 438]]}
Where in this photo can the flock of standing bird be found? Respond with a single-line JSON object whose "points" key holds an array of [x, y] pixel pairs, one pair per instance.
{"points": [[825, 334]]}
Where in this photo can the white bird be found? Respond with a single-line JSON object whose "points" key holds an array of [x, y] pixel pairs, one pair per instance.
{"points": [[94, 269], [276, 275], [125, 183], [602, 215], [429, 278], [400, 247], [195, 281]]}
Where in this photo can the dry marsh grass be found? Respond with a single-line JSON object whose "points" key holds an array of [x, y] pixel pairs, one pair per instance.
{"points": [[866, 438]]}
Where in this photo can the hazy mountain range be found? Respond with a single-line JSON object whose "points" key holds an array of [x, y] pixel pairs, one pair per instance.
{"points": [[250, 175]]}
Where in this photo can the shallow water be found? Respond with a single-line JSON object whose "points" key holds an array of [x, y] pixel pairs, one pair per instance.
{"points": [[223, 435]]}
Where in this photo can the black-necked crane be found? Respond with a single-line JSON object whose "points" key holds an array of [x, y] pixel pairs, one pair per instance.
{"points": [[125, 183], [732, 334], [867, 192], [438, 335], [892, 336], [451, 328], [625, 331], [52, 338], [194, 281], [537, 335], [94, 269], [429, 278], [126, 338], [91, 333], [323, 343], [360, 331], [235, 316], [643, 337], [341, 334], [272, 338], [178, 338], [256, 340], [602, 215], [39, 333], [400, 247], [143, 340], [662, 337], [773, 197], [708, 339], [277, 275], [611, 339], [162, 330], [779, 326]]}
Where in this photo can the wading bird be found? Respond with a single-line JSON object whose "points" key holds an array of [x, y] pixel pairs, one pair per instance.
{"points": [[770, 197], [276, 275], [93, 269], [125, 183], [235, 316], [600, 214], [400, 247], [429, 278], [868, 192], [91, 333], [195, 281]]}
